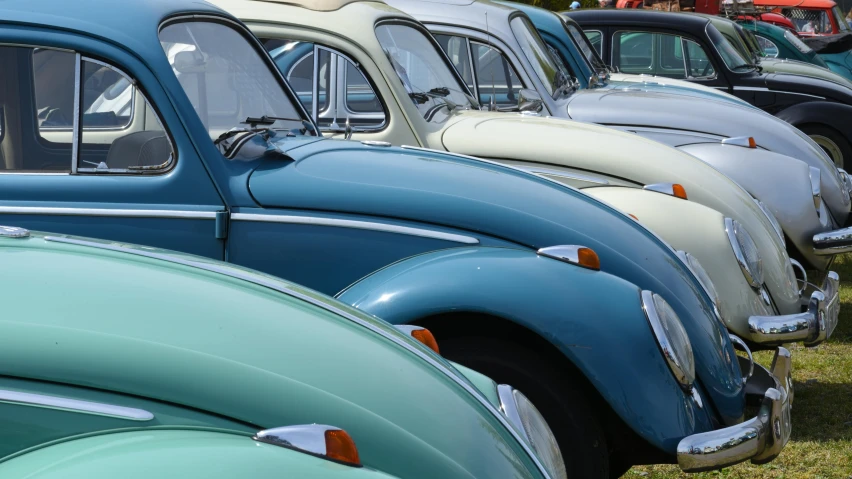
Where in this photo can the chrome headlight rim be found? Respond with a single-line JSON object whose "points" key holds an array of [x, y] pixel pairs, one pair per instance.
{"points": [[737, 236], [679, 358], [514, 403], [772, 219]]}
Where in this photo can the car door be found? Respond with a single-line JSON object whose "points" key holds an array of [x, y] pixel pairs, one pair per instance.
{"points": [[85, 150]]}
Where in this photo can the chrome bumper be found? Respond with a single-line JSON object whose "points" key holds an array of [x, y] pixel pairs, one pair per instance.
{"points": [[813, 326], [759, 439], [833, 242]]}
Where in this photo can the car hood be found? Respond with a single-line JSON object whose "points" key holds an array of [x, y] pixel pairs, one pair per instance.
{"points": [[241, 350], [476, 196], [630, 104], [795, 67], [653, 83]]}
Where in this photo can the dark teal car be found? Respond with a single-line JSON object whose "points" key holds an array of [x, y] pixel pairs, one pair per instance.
{"points": [[164, 123]]}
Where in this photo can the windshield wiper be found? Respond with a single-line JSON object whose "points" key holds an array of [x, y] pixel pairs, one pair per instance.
{"points": [[440, 91], [264, 121]]}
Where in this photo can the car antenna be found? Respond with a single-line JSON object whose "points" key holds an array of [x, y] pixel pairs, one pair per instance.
{"points": [[492, 105]]}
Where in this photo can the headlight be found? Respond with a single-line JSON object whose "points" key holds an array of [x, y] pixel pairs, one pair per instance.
{"points": [[671, 337], [775, 224], [746, 252], [528, 421], [816, 190]]}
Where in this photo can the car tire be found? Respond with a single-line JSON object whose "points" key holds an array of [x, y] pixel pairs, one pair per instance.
{"points": [[832, 142], [559, 399]]}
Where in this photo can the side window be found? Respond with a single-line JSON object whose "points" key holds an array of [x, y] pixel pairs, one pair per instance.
{"points": [[118, 130], [768, 48], [660, 54], [343, 91], [457, 49], [596, 39], [633, 52], [700, 65], [495, 76]]}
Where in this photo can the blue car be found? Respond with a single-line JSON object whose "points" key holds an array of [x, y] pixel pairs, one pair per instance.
{"points": [[166, 124]]}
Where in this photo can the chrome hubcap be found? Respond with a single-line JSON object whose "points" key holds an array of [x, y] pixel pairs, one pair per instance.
{"points": [[831, 148]]}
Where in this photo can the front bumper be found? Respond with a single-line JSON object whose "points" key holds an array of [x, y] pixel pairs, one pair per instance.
{"points": [[812, 326], [761, 438], [833, 242]]}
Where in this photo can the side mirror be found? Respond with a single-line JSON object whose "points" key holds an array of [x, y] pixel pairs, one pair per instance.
{"points": [[529, 101]]}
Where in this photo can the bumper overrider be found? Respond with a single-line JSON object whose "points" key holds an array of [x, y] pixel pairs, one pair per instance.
{"points": [[759, 439], [813, 326]]}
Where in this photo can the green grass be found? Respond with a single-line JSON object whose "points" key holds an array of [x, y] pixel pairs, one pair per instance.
{"points": [[821, 444]]}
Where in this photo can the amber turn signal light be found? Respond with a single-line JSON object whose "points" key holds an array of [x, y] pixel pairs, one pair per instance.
{"points": [[633, 216], [679, 191], [587, 258], [421, 334], [340, 447], [426, 337]]}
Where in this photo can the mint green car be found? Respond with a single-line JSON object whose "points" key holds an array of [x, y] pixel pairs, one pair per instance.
{"points": [[136, 362]]}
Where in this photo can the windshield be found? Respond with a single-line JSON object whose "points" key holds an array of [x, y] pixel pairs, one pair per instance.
{"points": [[585, 46], [225, 78], [538, 55], [430, 82], [729, 53]]}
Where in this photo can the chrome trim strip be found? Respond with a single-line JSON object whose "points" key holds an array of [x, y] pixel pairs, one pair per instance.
{"points": [[74, 405], [564, 174], [363, 225], [750, 88], [107, 212], [78, 117], [569, 253], [275, 285]]}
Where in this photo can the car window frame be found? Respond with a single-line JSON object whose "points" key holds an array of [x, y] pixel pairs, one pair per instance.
{"points": [[335, 86], [311, 126], [76, 130], [505, 58], [602, 38]]}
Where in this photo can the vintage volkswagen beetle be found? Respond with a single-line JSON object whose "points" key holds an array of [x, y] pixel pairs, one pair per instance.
{"points": [[483, 252], [811, 104], [231, 364]]}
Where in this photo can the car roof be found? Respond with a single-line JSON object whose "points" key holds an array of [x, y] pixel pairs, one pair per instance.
{"points": [[638, 17], [318, 5], [482, 15], [100, 17]]}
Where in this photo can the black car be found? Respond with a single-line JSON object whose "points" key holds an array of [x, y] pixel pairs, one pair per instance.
{"points": [[690, 46]]}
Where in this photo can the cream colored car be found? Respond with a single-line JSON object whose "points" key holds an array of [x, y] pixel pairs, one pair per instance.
{"points": [[378, 75]]}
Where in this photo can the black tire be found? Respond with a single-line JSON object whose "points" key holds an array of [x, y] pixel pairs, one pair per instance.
{"points": [[562, 403], [822, 134]]}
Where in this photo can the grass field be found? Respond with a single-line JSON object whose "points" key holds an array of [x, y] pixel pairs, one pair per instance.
{"points": [[821, 444]]}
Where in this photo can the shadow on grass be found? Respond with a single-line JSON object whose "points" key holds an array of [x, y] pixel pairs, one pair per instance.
{"points": [[822, 411]]}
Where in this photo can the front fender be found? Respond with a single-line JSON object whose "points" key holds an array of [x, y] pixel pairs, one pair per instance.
{"points": [[700, 231], [595, 319], [834, 115], [782, 183]]}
